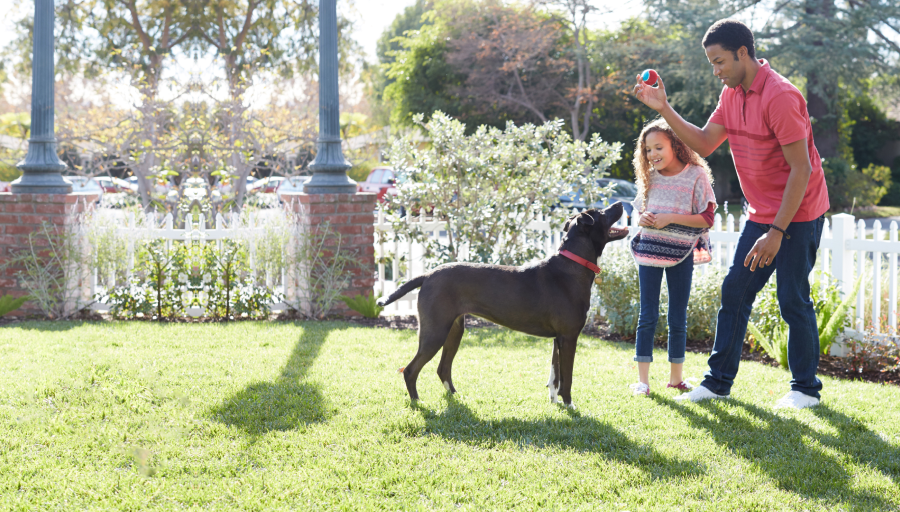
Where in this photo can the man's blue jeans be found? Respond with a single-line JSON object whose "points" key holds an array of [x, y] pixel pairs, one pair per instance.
{"points": [[794, 262], [678, 279]]}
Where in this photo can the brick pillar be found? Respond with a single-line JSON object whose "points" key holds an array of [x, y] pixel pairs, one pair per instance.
{"points": [[23, 214], [351, 215]]}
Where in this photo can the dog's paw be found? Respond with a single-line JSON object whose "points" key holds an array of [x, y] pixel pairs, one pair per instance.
{"points": [[554, 397], [571, 406]]}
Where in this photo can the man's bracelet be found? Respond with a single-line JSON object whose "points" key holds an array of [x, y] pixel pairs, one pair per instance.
{"points": [[776, 228]]}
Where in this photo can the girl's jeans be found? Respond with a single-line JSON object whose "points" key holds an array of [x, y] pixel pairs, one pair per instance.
{"points": [[678, 279], [794, 262]]}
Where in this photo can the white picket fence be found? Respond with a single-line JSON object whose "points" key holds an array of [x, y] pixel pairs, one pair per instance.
{"points": [[845, 252], [132, 229]]}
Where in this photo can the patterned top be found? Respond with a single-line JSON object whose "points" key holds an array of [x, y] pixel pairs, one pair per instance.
{"points": [[686, 193]]}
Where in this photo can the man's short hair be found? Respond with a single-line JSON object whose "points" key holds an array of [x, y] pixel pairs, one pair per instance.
{"points": [[730, 35]]}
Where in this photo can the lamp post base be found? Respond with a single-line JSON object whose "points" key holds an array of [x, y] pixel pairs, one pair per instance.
{"points": [[41, 183]]}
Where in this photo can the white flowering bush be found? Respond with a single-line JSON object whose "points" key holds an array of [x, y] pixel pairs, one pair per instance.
{"points": [[489, 185]]}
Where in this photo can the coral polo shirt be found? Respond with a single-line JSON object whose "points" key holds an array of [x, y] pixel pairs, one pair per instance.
{"points": [[771, 114]]}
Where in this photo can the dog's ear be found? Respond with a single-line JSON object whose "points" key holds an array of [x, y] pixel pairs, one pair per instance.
{"points": [[566, 227]]}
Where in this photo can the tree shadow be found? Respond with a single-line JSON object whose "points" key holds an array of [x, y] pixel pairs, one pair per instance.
{"points": [[577, 432], [288, 403], [780, 448]]}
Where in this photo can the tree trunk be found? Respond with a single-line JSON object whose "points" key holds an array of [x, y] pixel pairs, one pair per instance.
{"points": [[822, 93]]}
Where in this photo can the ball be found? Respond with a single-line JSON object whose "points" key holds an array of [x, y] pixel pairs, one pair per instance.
{"points": [[649, 76]]}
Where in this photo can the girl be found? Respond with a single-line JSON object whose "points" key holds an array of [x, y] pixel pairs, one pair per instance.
{"points": [[676, 204]]}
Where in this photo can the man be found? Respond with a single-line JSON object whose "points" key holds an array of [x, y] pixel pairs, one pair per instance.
{"points": [[765, 119]]}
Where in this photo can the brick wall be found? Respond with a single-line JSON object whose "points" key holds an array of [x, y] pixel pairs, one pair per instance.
{"points": [[23, 214], [351, 215]]}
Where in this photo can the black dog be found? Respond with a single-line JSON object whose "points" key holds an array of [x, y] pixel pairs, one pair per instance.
{"points": [[548, 299]]}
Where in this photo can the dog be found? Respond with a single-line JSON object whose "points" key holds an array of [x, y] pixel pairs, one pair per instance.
{"points": [[549, 299]]}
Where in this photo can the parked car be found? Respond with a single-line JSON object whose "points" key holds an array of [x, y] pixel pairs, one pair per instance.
{"points": [[380, 182], [624, 191], [292, 185], [112, 184], [85, 185], [267, 185]]}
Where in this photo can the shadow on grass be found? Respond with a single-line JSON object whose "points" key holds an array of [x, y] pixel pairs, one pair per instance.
{"points": [[782, 450], [287, 403], [47, 325], [491, 337], [577, 432]]}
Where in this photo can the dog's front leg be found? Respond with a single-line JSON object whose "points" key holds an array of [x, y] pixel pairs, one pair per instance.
{"points": [[553, 383], [567, 346]]}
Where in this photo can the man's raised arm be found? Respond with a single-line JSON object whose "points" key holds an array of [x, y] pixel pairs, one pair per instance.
{"points": [[702, 140]]}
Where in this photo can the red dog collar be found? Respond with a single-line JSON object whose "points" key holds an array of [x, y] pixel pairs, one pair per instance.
{"points": [[581, 261]]}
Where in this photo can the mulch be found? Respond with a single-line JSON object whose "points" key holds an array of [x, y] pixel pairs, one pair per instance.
{"points": [[828, 365]]}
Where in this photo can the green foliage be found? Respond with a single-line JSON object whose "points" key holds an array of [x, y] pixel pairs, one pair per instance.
{"points": [[776, 345], [832, 312], [704, 304], [8, 303], [170, 276], [490, 185], [364, 305], [620, 298], [849, 185], [620, 294], [421, 78], [832, 316]]}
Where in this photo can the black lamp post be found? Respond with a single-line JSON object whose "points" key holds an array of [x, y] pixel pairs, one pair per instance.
{"points": [[41, 168], [330, 166]]}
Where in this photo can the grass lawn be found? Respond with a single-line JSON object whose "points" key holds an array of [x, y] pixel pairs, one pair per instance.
{"points": [[259, 416]]}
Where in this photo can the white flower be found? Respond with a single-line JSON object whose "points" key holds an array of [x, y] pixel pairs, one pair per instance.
{"points": [[182, 278], [207, 278], [244, 315], [139, 315]]}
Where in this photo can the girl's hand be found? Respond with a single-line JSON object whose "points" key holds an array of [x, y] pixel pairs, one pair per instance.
{"points": [[653, 97], [662, 220], [647, 219]]}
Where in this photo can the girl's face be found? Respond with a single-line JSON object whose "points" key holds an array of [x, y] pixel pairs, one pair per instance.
{"points": [[658, 148]]}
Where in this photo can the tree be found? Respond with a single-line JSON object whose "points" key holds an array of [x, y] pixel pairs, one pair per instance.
{"points": [[512, 63], [825, 46]]}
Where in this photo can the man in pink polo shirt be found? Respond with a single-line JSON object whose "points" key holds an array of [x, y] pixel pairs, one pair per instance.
{"points": [[765, 120]]}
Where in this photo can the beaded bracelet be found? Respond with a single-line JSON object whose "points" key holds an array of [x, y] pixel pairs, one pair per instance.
{"points": [[776, 228]]}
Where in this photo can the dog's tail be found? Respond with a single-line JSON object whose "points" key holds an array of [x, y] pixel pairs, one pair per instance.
{"points": [[403, 290]]}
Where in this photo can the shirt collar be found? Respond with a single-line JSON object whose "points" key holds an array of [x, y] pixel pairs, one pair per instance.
{"points": [[759, 81]]}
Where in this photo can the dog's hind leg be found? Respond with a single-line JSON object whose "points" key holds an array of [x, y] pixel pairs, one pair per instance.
{"points": [[430, 341], [451, 345], [553, 382]]}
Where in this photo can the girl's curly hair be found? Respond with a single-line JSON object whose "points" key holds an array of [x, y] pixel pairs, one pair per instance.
{"points": [[681, 150]]}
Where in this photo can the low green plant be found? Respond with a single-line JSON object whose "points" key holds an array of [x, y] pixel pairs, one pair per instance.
{"points": [[774, 344], [319, 261], [831, 315], [364, 304], [8, 303]]}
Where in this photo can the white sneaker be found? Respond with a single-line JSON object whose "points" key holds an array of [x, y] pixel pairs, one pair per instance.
{"points": [[697, 394], [796, 400], [640, 389]]}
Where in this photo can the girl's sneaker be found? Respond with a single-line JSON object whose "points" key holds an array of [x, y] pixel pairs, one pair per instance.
{"points": [[640, 389], [683, 386]]}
